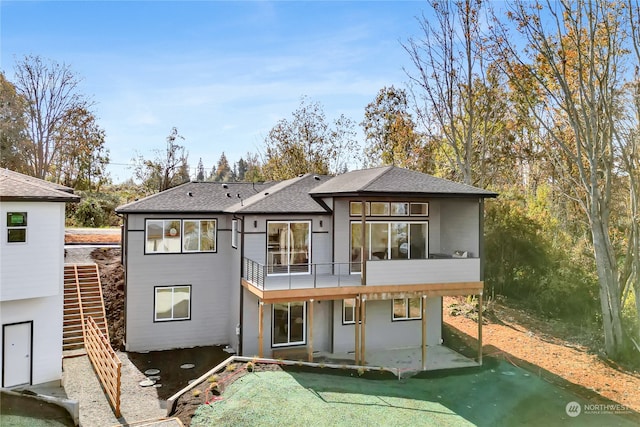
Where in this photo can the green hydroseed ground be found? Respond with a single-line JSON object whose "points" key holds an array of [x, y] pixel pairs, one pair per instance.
{"points": [[497, 395]]}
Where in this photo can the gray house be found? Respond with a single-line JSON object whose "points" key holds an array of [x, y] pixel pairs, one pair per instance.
{"points": [[353, 264]]}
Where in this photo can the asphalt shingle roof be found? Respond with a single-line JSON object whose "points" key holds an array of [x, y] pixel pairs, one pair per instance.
{"points": [[290, 196], [195, 197], [394, 180], [297, 195], [15, 186]]}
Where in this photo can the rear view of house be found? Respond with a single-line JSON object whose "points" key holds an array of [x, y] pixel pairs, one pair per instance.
{"points": [[350, 264], [31, 278]]}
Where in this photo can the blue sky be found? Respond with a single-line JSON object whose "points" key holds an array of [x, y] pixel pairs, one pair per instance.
{"points": [[223, 73]]}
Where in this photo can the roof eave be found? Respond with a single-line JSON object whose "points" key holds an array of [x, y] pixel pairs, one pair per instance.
{"points": [[403, 194]]}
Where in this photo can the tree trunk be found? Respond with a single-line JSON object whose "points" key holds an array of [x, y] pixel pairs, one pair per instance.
{"points": [[609, 289]]}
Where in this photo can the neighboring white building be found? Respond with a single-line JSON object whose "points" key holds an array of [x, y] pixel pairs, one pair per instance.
{"points": [[278, 266], [31, 278]]}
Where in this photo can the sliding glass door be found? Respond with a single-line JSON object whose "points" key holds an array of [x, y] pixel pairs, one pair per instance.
{"points": [[288, 247]]}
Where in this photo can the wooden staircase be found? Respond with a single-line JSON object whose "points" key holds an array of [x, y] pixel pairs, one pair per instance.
{"points": [[82, 298]]}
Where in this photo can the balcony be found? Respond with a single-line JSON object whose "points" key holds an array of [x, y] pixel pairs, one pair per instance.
{"points": [[379, 273]]}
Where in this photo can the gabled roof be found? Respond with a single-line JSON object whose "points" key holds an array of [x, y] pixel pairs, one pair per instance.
{"points": [[195, 197], [15, 186], [387, 180], [290, 196]]}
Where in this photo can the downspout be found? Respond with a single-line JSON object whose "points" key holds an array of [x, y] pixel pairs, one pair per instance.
{"points": [[240, 328], [123, 262]]}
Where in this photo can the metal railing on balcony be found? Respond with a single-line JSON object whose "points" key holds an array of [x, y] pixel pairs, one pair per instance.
{"points": [[300, 276]]}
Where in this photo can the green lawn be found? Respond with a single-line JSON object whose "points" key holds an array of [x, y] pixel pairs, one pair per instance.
{"points": [[495, 395]]}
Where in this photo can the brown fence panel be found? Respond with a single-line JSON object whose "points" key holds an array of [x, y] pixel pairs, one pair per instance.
{"points": [[105, 362]]}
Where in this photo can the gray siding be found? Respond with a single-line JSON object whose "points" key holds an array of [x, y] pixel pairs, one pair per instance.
{"points": [[383, 333], [322, 323], [211, 276], [411, 272], [460, 226]]}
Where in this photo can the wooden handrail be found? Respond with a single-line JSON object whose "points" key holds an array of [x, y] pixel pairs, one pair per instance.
{"points": [[105, 361]]}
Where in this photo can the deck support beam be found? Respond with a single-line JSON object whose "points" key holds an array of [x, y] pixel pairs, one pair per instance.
{"points": [[310, 346], [260, 329], [357, 328], [363, 322], [480, 328], [424, 332]]}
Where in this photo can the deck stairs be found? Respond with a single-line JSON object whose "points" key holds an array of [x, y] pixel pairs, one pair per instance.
{"points": [[82, 298]]}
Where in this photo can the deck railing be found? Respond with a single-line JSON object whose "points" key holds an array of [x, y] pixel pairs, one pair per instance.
{"points": [[328, 274]]}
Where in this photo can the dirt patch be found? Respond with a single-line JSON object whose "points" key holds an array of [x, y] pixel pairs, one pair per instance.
{"points": [[546, 346], [71, 238], [173, 377], [210, 390], [112, 279]]}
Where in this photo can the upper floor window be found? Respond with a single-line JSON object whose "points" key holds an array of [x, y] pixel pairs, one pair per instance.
{"points": [[389, 209], [176, 236], [16, 227], [234, 233], [389, 240], [199, 235], [288, 247]]}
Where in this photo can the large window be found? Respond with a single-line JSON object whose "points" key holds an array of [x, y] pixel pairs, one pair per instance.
{"points": [[172, 303], [288, 247], [289, 322], [16, 227], [176, 236], [199, 235], [407, 308], [389, 240]]}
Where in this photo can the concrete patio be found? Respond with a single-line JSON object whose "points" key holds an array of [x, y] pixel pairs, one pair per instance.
{"points": [[402, 361]]}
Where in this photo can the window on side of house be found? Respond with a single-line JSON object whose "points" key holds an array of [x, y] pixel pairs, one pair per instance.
{"points": [[172, 303], [288, 247], [289, 324], [234, 233], [199, 235], [349, 311], [162, 236], [16, 227], [407, 309]]}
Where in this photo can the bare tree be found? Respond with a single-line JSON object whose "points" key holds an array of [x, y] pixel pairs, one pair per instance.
{"points": [[448, 62], [575, 55], [51, 90], [168, 169]]}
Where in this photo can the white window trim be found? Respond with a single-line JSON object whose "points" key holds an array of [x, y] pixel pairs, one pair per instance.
{"points": [[289, 272], [200, 221], [234, 233], [407, 310], [172, 319], [304, 327], [344, 310]]}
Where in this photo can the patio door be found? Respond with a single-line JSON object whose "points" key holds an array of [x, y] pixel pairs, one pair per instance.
{"points": [[17, 346], [288, 247]]}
